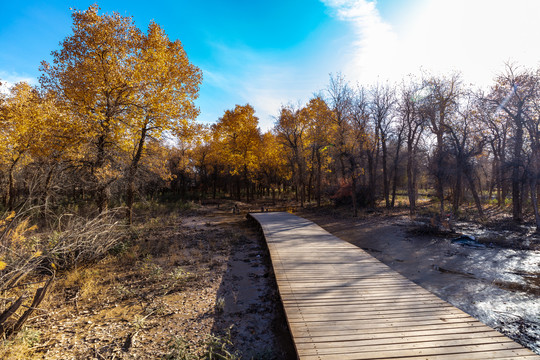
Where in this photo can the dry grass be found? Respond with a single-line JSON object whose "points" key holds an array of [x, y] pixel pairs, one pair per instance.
{"points": [[124, 299], [29, 259], [153, 294]]}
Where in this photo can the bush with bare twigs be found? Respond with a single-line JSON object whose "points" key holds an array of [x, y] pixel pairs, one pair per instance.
{"points": [[29, 258], [78, 240]]}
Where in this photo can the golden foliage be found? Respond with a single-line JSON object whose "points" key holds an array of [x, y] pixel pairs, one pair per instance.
{"points": [[238, 138]]}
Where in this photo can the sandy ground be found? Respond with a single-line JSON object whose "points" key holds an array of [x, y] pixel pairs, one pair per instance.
{"points": [[497, 285]]}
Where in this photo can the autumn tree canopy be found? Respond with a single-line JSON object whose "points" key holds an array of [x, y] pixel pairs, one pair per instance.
{"points": [[121, 88], [239, 137]]}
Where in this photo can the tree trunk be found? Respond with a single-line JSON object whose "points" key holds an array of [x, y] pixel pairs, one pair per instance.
{"points": [[183, 190], [103, 197], [498, 181], [214, 183], [411, 190], [130, 197], [457, 190], [472, 186], [319, 166], [533, 181], [309, 186], [396, 165], [248, 193], [353, 185], [371, 180], [132, 172], [439, 182], [300, 182], [517, 212], [10, 197], [504, 182], [302, 195], [46, 192], [386, 185], [410, 187], [534, 201]]}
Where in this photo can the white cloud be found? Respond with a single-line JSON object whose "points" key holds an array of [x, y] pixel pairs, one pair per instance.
{"points": [[264, 80], [8, 79], [4, 88], [373, 54], [474, 37]]}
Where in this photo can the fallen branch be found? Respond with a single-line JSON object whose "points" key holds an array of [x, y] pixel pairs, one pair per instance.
{"points": [[38, 298], [8, 312]]}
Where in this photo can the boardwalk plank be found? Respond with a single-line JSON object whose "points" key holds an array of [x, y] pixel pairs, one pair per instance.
{"points": [[461, 328], [401, 337], [440, 344], [341, 303], [463, 353]]}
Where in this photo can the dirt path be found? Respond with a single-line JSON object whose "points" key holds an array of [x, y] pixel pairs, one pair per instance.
{"points": [[496, 285]]}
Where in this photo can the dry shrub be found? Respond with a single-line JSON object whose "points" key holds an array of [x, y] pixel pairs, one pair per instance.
{"points": [[28, 259], [74, 241], [20, 256], [78, 240], [20, 251]]}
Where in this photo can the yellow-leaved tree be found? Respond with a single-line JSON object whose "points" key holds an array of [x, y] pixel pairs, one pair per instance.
{"points": [[166, 85], [22, 122], [320, 131], [121, 87], [291, 127], [239, 137], [272, 162], [92, 76]]}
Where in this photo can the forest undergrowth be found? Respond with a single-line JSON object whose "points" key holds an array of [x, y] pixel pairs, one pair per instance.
{"points": [[153, 290]]}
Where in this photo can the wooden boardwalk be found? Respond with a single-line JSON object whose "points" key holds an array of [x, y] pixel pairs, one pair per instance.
{"points": [[341, 303]]}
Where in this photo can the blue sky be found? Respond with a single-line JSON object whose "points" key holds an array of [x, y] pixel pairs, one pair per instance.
{"points": [[269, 53]]}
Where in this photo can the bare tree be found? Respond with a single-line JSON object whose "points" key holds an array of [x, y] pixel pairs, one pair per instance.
{"points": [[513, 94], [439, 104], [340, 97], [532, 125], [496, 127], [414, 126], [381, 108], [400, 130], [360, 137], [466, 142]]}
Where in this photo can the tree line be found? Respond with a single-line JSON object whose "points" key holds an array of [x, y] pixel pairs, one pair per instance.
{"points": [[368, 144], [113, 120]]}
